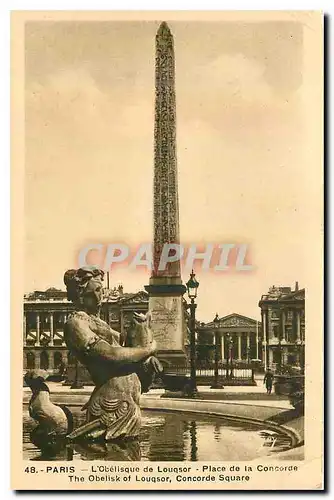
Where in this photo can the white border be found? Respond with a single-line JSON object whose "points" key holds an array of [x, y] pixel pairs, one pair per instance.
{"points": [[5, 8]]}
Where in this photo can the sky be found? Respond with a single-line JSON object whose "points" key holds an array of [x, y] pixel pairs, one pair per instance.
{"points": [[89, 115]]}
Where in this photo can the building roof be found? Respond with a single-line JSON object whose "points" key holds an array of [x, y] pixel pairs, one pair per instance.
{"points": [[110, 295], [50, 294], [283, 293], [231, 320], [295, 295]]}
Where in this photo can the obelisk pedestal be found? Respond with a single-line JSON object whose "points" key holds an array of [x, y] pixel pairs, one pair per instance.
{"points": [[166, 289], [168, 323]]}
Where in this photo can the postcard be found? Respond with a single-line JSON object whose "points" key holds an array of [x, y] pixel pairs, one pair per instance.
{"points": [[167, 250]]}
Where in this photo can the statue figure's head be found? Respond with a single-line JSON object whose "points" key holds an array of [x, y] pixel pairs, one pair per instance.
{"points": [[84, 288]]}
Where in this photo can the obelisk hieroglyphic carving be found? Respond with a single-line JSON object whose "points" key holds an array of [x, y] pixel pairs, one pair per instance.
{"points": [[165, 288], [166, 209]]}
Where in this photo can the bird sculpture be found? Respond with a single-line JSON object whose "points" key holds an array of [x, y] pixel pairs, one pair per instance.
{"points": [[54, 421]]}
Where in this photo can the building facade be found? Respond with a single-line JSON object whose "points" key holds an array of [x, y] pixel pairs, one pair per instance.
{"points": [[45, 313], [283, 319], [243, 334]]}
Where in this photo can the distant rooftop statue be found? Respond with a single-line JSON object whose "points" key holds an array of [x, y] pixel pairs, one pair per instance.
{"points": [[113, 293], [276, 291], [49, 294], [283, 293]]}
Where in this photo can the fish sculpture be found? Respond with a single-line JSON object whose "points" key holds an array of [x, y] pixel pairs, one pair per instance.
{"points": [[54, 421], [140, 334]]}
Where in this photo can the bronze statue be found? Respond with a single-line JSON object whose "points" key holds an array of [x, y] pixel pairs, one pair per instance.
{"points": [[113, 410]]}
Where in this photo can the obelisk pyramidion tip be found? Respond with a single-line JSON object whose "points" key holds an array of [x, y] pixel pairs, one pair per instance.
{"points": [[163, 29]]}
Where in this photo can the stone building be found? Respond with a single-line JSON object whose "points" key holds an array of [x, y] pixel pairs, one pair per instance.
{"points": [[245, 334], [45, 313], [283, 319]]}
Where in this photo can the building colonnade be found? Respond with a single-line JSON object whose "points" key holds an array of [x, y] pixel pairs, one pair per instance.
{"points": [[283, 336], [43, 328], [243, 346], [237, 337]]}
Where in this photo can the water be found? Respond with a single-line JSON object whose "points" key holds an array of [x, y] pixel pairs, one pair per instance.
{"points": [[168, 436]]}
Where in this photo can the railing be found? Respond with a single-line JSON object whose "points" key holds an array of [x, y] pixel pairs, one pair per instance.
{"points": [[226, 374]]}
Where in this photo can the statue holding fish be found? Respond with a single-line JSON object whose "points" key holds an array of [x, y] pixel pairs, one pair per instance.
{"points": [[120, 372]]}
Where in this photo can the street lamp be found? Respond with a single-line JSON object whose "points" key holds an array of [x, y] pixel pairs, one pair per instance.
{"points": [[192, 286], [216, 384]]}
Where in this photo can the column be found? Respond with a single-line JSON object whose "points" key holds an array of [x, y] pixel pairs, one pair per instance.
{"points": [[38, 324], [257, 341], [298, 327], [37, 359], [248, 346], [222, 346], [264, 329], [65, 319], [51, 360], [51, 328], [239, 345], [283, 326], [24, 329], [298, 358], [121, 322]]}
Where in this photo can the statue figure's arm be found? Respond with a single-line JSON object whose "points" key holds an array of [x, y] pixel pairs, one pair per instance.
{"points": [[119, 354], [82, 338]]}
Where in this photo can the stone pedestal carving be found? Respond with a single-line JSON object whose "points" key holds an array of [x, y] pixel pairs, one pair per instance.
{"points": [[168, 328]]}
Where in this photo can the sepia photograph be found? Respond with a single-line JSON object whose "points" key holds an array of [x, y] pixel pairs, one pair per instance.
{"points": [[169, 297]]}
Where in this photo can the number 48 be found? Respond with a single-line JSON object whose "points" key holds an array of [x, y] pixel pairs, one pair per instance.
{"points": [[32, 470]]}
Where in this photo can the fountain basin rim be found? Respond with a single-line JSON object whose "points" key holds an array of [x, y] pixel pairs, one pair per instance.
{"points": [[296, 439]]}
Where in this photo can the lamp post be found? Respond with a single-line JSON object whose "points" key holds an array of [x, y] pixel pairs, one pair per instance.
{"points": [[227, 343], [192, 286], [216, 384]]}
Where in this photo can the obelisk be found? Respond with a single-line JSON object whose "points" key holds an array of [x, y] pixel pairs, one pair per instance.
{"points": [[166, 288]]}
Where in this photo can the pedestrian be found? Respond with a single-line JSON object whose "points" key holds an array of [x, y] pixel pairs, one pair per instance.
{"points": [[268, 380]]}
